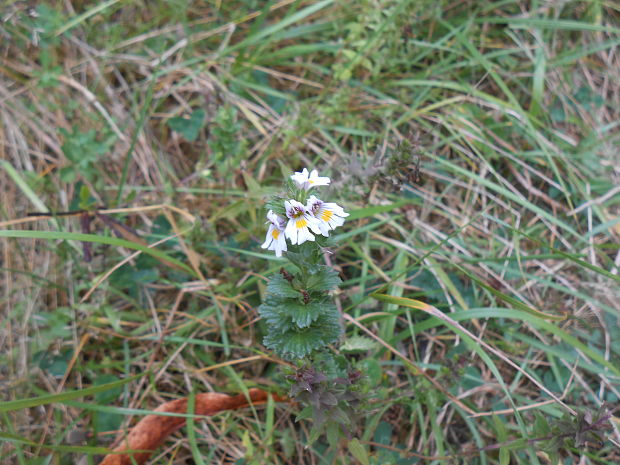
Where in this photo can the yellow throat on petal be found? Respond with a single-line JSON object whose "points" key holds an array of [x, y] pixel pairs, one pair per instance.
{"points": [[301, 223]]}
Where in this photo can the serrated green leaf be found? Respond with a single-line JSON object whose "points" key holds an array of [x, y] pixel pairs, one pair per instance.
{"points": [[273, 313], [323, 279], [304, 314], [288, 314], [302, 255], [297, 342], [276, 204], [280, 287]]}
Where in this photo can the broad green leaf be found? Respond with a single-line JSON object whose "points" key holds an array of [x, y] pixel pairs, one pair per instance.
{"points": [[188, 127]]}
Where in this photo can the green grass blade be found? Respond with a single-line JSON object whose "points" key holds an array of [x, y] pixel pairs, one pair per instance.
{"points": [[23, 186], [271, 30], [84, 16], [555, 24], [63, 396], [57, 448], [68, 236]]}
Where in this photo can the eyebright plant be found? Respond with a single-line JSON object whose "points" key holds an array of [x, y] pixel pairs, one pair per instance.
{"points": [[302, 320], [299, 312]]}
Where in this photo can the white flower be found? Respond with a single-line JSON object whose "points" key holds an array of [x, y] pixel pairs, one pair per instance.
{"points": [[329, 215], [300, 219], [306, 181], [275, 239]]}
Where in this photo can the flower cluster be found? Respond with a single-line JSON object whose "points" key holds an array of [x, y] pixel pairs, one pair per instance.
{"points": [[303, 221]]}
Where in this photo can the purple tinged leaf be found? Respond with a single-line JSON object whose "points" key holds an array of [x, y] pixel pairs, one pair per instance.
{"points": [[329, 399]]}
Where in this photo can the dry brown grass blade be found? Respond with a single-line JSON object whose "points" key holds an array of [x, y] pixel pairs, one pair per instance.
{"points": [[416, 369], [150, 432], [433, 311]]}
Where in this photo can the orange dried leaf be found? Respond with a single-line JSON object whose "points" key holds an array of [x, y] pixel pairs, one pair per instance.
{"points": [[150, 432]]}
